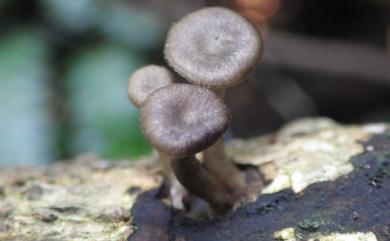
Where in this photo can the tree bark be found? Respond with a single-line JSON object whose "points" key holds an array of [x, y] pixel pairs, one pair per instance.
{"points": [[324, 181]]}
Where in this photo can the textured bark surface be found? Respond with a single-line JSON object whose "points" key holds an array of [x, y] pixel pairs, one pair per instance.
{"points": [[86, 199], [324, 181]]}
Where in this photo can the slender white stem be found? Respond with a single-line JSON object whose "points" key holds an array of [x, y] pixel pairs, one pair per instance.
{"points": [[218, 164], [176, 191], [165, 161]]}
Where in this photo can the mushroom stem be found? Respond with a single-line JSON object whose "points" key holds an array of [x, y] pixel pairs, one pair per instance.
{"points": [[165, 161], [217, 162], [193, 176], [176, 191]]}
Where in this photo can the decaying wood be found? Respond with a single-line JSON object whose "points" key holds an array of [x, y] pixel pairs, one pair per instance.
{"points": [[324, 181], [87, 199]]}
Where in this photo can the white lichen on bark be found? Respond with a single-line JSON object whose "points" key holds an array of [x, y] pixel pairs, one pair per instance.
{"points": [[304, 152], [288, 234], [88, 199]]}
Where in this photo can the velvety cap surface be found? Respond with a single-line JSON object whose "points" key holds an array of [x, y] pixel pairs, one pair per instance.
{"points": [[213, 47], [183, 119], [146, 80]]}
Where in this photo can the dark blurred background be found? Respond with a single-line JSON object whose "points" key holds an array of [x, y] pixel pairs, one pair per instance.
{"points": [[64, 66]]}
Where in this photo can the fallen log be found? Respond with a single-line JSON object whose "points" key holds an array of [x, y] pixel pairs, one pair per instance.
{"points": [[323, 181]]}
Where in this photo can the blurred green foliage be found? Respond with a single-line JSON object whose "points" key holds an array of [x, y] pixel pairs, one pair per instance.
{"points": [[104, 120], [26, 127], [59, 98], [72, 15], [125, 23], [134, 27]]}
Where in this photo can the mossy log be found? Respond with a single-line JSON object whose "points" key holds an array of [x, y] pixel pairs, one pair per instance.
{"points": [[323, 181]]}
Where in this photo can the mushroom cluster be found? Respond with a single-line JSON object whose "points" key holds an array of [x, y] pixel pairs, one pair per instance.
{"points": [[213, 49], [141, 84]]}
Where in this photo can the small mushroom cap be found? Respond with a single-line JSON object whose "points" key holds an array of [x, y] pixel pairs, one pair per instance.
{"points": [[183, 119], [214, 47], [146, 80]]}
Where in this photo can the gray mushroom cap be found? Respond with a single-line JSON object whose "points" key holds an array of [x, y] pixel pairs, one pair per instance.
{"points": [[183, 119], [146, 80], [214, 47]]}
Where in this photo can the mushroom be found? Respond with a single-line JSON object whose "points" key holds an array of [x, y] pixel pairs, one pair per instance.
{"points": [[216, 48], [141, 84], [182, 120], [213, 47], [146, 80]]}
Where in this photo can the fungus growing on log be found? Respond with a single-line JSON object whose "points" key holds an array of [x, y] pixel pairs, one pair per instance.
{"points": [[145, 81], [182, 120], [141, 84], [216, 48]]}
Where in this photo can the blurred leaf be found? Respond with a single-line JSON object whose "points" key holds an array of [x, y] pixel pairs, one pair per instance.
{"points": [[132, 26], [122, 22], [73, 15], [25, 125], [104, 120]]}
